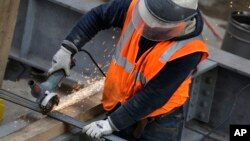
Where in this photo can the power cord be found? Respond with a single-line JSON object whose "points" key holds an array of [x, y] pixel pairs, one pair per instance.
{"points": [[93, 60], [238, 94]]}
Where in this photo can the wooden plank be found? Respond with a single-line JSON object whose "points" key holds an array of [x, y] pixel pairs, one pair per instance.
{"points": [[48, 128], [8, 14]]}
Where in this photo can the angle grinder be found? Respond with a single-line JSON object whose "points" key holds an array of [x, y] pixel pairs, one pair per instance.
{"points": [[44, 94]]}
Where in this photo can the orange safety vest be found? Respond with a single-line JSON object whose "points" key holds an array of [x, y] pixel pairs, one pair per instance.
{"points": [[125, 77]]}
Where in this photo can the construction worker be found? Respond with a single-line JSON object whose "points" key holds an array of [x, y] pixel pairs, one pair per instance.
{"points": [[148, 79]]}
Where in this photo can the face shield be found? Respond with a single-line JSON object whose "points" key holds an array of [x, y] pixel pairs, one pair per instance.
{"points": [[153, 28]]}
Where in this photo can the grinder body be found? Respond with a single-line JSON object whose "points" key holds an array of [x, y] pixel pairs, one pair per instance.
{"points": [[44, 92]]}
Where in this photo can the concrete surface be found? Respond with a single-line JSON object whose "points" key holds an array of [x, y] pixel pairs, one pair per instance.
{"points": [[79, 5], [12, 110], [16, 81]]}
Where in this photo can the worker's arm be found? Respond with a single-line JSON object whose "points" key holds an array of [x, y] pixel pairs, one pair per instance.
{"points": [[156, 93], [110, 14]]}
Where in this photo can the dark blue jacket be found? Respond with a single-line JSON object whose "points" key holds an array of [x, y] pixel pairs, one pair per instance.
{"points": [[158, 90]]}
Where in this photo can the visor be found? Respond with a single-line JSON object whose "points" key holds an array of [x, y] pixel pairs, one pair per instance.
{"points": [[152, 28]]}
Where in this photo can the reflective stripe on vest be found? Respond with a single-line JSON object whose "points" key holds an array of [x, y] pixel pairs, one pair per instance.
{"points": [[127, 34], [177, 46], [118, 59], [140, 77], [123, 62]]}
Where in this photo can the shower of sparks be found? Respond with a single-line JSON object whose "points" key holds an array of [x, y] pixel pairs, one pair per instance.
{"points": [[77, 96]]}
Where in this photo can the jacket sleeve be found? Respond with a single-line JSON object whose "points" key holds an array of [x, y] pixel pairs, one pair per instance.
{"points": [[110, 14], [156, 93]]}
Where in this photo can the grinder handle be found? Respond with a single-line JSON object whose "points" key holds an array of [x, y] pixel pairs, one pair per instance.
{"points": [[53, 80]]}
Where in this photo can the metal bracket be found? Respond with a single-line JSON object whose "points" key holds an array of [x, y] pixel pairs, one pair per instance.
{"points": [[202, 92]]}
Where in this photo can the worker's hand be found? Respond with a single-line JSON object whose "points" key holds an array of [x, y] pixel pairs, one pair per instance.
{"points": [[61, 60], [98, 128]]}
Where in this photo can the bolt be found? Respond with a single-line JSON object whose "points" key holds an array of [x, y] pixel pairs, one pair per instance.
{"points": [[209, 80], [204, 104], [206, 92], [191, 104], [194, 93], [202, 115], [196, 80]]}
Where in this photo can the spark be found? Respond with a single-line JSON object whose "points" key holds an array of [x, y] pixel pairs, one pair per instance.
{"points": [[103, 43], [81, 94], [99, 65], [106, 50]]}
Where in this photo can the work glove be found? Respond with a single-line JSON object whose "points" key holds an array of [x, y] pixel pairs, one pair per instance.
{"points": [[61, 60], [99, 128]]}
